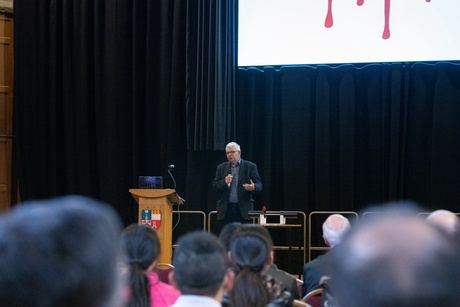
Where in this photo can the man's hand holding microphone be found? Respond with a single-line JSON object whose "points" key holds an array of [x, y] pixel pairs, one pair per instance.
{"points": [[228, 179]]}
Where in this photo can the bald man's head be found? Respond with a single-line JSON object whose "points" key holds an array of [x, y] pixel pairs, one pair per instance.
{"points": [[335, 226], [446, 220]]}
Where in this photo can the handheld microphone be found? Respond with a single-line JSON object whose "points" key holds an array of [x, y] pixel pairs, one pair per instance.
{"points": [[229, 173]]}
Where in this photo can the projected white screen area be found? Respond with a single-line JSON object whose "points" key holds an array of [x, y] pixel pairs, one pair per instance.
{"points": [[283, 32]]}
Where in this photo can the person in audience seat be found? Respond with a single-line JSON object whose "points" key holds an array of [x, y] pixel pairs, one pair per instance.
{"points": [[251, 256], [60, 252], [201, 270], [334, 227], [141, 246], [398, 259]]}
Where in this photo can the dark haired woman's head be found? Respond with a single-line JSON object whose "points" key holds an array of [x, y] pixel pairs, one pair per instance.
{"points": [[249, 251], [251, 255], [141, 246]]}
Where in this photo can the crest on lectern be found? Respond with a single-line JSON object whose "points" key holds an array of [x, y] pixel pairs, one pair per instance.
{"points": [[152, 218]]}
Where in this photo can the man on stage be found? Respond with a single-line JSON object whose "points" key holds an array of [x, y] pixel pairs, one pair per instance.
{"points": [[235, 180]]}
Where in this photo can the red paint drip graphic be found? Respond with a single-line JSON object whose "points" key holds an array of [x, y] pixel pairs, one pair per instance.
{"points": [[329, 20], [386, 28]]}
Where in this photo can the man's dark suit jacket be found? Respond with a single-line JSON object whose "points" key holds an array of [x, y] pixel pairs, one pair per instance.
{"points": [[314, 270], [247, 171]]}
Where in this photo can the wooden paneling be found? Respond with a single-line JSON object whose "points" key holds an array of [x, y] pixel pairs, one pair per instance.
{"points": [[6, 110]]}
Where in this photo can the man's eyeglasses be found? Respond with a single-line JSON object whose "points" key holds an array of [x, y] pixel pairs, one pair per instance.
{"points": [[231, 152]]}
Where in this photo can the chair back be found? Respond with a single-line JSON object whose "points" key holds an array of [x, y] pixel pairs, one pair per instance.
{"points": [[162, 270], [313, 298], [299, 303], [299, 283]]}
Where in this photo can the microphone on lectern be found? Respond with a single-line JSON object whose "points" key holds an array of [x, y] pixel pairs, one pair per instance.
{"points": [[170, 167]]}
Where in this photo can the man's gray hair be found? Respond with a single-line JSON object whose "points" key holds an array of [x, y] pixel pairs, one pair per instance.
{"points": [[237, 147], [334, 231]]}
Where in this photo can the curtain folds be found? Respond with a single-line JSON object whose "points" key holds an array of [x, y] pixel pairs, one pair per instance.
{"points": [[344, 137], [100, 89], [211, 67]]}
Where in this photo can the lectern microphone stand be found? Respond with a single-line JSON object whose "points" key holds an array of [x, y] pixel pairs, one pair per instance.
{"points": [[155, 209]]}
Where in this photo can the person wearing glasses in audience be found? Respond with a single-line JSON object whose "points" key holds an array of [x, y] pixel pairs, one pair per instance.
{"points": [[235, 181]]}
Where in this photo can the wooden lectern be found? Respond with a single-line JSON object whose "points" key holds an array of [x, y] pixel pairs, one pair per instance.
{"points": [[155, 209]]}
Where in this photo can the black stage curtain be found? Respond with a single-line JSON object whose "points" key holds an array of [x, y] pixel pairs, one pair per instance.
{"points": [[99, 96], [211, 62], [106, 91], [345, 137]]}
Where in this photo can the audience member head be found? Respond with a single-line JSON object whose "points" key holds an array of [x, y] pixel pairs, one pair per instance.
{"points": [[60, 252], [249, 279], [250, 251], [447, 220], [141, 246], [286, 288], [200, 262], [396, 260], [335, 226], [227, 233], [250, 254], [261, 232], [256, 230]]}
